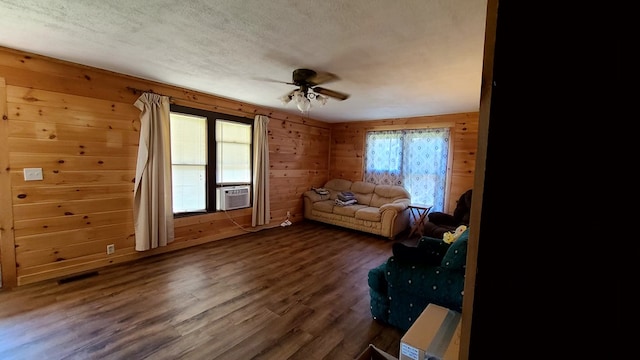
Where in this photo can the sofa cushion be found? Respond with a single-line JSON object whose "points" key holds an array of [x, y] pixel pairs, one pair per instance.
{"points": [[363, 191], [384, 194], [324, 205], [336, 186], [349, 210], [314, 196], [456, 255], [368, 213]]}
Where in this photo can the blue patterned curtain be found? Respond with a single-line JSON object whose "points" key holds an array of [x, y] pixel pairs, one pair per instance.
{"points": [[415, 159]]}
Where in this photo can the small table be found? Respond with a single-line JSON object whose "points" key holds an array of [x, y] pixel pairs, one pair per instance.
{"points": [[419, 214]]}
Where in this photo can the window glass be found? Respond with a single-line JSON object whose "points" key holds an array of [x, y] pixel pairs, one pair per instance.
{"points": [[233, 153], [189, 188], [188, 162], [208, 150]]}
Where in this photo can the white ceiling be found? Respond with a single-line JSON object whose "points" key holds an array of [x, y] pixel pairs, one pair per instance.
{"points": [[400, 58]]}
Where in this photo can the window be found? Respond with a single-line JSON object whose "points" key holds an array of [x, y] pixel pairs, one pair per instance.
{"points": [[415, 159], [208, 150], [233, 153]]}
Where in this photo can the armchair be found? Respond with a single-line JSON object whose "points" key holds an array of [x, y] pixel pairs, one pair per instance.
{"points": [[414, 277], [439, 223]]}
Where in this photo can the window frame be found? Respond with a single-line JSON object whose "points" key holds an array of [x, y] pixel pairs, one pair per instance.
{"points": [[210, 169]]}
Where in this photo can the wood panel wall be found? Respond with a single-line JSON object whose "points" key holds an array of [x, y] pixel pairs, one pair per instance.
{"points": [[348, 148], [80, 126]]}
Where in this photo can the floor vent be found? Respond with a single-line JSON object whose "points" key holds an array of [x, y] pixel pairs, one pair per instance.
{"points": [[77, 277]]}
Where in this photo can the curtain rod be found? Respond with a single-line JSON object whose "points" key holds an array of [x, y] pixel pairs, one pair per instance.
{"points": [[139, 91]]}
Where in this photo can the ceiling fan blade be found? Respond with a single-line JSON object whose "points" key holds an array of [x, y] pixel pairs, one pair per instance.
{"points": [[322, 77], [331, 93], [272, 80]]}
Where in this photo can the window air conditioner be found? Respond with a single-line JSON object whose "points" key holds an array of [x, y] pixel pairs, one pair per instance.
{"points": [[233, 197]]}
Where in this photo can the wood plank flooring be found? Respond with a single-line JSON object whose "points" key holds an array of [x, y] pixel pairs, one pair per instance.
{"points": [[297, 292]]}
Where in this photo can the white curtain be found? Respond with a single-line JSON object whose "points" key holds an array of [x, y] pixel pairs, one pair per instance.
{"points": [[152, 206], [261, 208], [413, 158]]}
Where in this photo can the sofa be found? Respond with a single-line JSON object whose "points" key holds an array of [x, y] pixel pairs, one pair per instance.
{"points": [[430, 273], [380, 209]]}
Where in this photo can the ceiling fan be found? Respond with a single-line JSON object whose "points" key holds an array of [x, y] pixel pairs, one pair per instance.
{"points": [[307, 81]]}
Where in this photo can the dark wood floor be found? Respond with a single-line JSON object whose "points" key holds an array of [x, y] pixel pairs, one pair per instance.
{"points": [[298, 292]]}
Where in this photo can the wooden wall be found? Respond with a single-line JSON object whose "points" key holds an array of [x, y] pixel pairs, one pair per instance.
{"points": [[348, 147], [80, 126]]}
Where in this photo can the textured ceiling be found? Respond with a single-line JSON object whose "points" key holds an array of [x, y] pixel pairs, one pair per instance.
{"points": [[395, 58]]}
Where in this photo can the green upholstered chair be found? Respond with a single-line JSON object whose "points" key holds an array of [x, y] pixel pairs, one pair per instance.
{"points": [[403, 286]]}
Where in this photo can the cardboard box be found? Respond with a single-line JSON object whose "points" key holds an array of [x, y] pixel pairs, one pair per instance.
{"points": [[434, 335], [373, 353]]}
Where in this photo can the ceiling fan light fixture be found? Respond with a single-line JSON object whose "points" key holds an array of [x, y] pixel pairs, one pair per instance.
{"points": [[285, 99], [303, 104], [302, 100], [308, 90], [298, 95], [322, 99]]}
